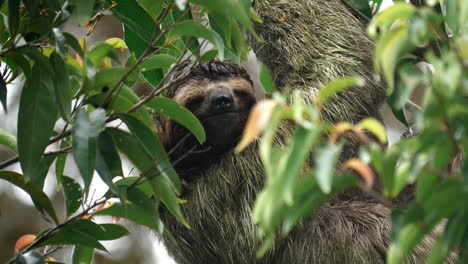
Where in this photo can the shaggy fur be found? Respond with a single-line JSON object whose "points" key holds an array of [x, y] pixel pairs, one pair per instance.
{"points": [[306, 44]]}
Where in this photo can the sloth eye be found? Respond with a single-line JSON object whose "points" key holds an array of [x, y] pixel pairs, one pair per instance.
{"points": [[241, 93], [193, 103]]}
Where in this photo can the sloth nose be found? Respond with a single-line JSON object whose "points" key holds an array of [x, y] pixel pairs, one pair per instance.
{"points": [[221, 103]]}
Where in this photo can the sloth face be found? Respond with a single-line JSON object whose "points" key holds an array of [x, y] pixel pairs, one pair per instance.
{"points": [[220, 95], [222, 107]]}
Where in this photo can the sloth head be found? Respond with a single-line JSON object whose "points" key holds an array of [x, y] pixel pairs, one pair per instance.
{"points": [[220, 95]]}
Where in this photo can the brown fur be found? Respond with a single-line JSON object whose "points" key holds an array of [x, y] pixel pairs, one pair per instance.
{"points": [[317, 41]]}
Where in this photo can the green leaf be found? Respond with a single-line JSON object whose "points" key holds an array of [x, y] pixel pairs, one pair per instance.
{"points": [[196, 29], [179, 114], [388, 52], [158, 61], [451, 237], [37, 115], [143, 201], [60, 163], [227, 8], [108, 164], [3, 94], [8, 140], [325, 160], [108, 78], [152, 7], [73, 195], [74, 44], [363, 7], [82, 11], [31, 257], [13, 18], [375, 127], [117, 43], [209, 55], [39, 198], [99, 232], [123, 101], [131, 212], [62, 88], [338, 85], [85, 132], [60, 42], [153, 147], [135, 18], [99, 51], [139, 156], [266, 80], [82, 255], [303, 140], [69, 236], [144, 186]]}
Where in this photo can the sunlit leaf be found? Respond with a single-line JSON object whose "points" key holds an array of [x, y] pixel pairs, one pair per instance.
{"points": [[375, 127], [8, 140], [338, 85], [325, 160], [82, 255], [266, 80], [257, 122]]}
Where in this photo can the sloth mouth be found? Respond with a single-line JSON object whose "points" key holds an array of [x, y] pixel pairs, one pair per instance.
{"points": [[230, 113]]}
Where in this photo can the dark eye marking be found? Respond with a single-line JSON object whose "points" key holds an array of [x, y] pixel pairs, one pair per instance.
{"points": [[194, 102], [241, 93]]}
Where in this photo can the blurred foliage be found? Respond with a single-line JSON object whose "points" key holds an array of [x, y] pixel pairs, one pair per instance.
{"points": [[433, 160], [72, 92]]}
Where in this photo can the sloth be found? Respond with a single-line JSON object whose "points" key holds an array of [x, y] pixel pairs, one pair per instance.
{"points": [[306, 43], [220, 187]]}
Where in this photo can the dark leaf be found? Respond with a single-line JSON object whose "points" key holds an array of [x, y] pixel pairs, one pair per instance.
{"points": [[82, 255], [39, 198], [3, 93], [74, 44], [108, 163], [153, 147], [63, 95], [70, 236], [180, 114], [13, 18], [73, 195], [37, 115], [133, 213], [85, 132]]}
